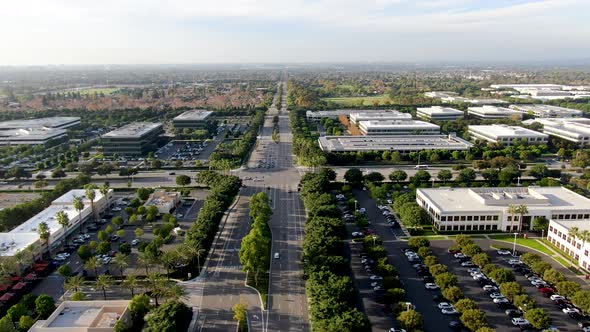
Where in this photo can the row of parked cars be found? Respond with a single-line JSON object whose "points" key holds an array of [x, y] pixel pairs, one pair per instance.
{"points": [[391, 220]]}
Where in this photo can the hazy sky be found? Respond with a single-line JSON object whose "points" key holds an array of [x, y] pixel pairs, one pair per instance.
{"points": [[265, 31]]}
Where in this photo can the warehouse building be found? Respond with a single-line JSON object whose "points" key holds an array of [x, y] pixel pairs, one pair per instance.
{"points": [[357, 117], [56, 122], [489, 112], [547, 111], [398, 127], [402, 144], [439, 113], [134, 139], [506, 135], [486, 209], [33, 136], [193, 119]]}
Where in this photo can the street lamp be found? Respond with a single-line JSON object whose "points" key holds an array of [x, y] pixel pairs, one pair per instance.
{"points": [[374, 238], [514, 247]]}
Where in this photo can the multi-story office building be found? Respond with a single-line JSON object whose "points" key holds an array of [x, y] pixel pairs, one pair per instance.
{"points": [[134, 139], [57, 122], [32, 136], [576, 130], [193, 119], [402, 144], [332, 114], [397, 127], [506, 135], [487, 209], [547, 111], [560, 235], [439, 113], [357, 117], [488, 112]]}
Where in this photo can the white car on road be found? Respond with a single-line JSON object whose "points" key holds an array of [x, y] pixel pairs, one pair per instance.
{"points": [[556, 297], [517, 321], [431, 286], [503, 252], [445, 305]]}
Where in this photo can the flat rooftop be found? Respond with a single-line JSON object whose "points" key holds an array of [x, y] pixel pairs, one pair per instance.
{"points": [[50, 122], [194, 115], [493, 110], [11, 243], [440, 110], [502, 130], [31, 134], [527, 86], [83, 315], [547, 110], [498, 199], [405, 123], [161, 197], [582, 225], [133, 130], [392, 143], [329, 113]]}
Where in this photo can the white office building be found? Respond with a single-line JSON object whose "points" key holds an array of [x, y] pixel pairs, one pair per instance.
{"points": [[398, 127], [32, 136], [576, 130], [357, 117], [486, 209], [547, 111], [401, 144], [506, 135], [559, 235], [55, 122], [489, 112], [331, 114], [439, 94], [439, 113]]}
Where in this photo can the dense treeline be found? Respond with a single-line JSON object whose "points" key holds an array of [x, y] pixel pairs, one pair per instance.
{"points": [[330, 288], [223, 190], [13, 216], [305, 144], [302, 95], [231, 155]]}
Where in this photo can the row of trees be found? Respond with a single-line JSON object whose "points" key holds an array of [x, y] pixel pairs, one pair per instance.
{"points": [[331, 291], [22, 315], [305, 145]]}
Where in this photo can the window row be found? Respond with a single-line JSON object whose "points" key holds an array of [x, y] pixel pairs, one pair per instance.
{"points": [[468, 228], [469, 218]]}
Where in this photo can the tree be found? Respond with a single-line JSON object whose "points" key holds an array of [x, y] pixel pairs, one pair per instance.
{"points": [[44, 306], [540, 224], [416, 242], [446, 280], [143, 193], [471, 250], [65, 271], [64, 221], [131, 283], [444, 175], [521, 210], [568, 288], [511, 289], [79, 296], [104, 282], [139, 306], [121, 261], [453, 293], [398, 175], [581, 159], [502, 275], [438, 269], [410, 320], [582, 300], [466, 175], [44, 233], [465, 304], [240, 311], [538, 318], [530, 257], [6, 325], [84, 252], [104, 248], [169, 317], [25, 323], [481, 259], [420, 177], [553, 276], [538, 171], [524, 301], [138, 232], [117, 221], [93, 264], [395, 295], [58, 173], [353, 176], [540, 267], [16, 311], [474, 319], [79, 206], [90, 193], [490, 174], [374, 177], [73, 283], [328, 173], [183, 180]]}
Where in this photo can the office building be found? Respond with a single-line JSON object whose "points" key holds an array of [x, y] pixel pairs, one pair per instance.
{"points": [[576, 130], [85, 316], [439, 113], [357, 117], [439, 94], [506, 135], [559, 235], [489, 112], [397, 127], [402, 144], [56, 122], [165, 201], [547, 111], [33, 136], [193, 119], [332, 114], [134, 139], [486, 209]]}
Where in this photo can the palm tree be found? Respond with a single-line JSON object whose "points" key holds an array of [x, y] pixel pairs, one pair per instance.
{"points": [[103, 282], [121, 261], [174, 292], [131, 283], [79, 206], [91, 195], [104, 190], [512, 211], [146, 260], [64, 221], [44, 234], [157, 286], [169, 259], [521, 210], [190, 252], [574, 233], [73, 283], [93, 264]]}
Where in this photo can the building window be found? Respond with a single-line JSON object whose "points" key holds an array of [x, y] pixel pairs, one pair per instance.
{"points": [[462, 218], [577, 257], [560, 216], [456, 218], [495, 218], [488, 227], [476, 218], [469, 218], [559, 234], [584, 264], [587, 216], [551, 228], [578, 246], [455, 228], [585, 252], [553, 216], [468, 228], [494, 227], [443, 218]]}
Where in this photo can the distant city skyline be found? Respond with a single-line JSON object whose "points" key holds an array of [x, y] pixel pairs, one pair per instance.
{"points": [[38, 32]]}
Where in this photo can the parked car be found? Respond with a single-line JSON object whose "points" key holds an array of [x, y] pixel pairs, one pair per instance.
{"points": [[513, 313], [517, 321], [503, 252], [449, 311], [431, 286]]}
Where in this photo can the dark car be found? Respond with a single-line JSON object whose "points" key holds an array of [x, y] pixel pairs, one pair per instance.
{"points": [[427, 279], [92, 227], [456, 325], [503, 305], [513, 313], [115, 237], [575, 315], [583, 324], [439, 298]]}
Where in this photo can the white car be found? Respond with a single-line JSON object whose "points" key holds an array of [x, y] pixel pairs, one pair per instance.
{"points": [[277, 255], [467, 264], [393, 329], [450, 311], [445, 305], [116, 209], [106, 260], [570, 310], [538, 282], [410, 253], [556, 297], [374, 277], [501, 300], [517, 321], [135, 242], [496, 295], [489, 288], [431, 286], [503, 252], [473, 270], [459, 255], [60, 258], [479, 276], [514, 261]]}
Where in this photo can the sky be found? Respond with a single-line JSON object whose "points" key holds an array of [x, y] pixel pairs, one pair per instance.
{"points": [[39, 32]]}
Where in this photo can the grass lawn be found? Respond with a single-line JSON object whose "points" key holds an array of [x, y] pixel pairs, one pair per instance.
{"points": [[435, 237], [105, 91], [531, 243], [354, 101]]}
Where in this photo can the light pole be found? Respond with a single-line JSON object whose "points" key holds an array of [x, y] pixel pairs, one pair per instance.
{"points": [[374, 238], [514, 247]]}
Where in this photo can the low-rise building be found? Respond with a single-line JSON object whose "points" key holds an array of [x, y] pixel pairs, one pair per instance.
{"points": [[488, 209], [439, 94], [489, 112], [576, 130], [56, 122], [134, 139], [506, 135], [32, 136], [193, 119], [559, 234], [402, 144], [85, 316], [357, 117], [547, 111], [398, 127], [332, 114], [165, 201], [439, 113]]}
